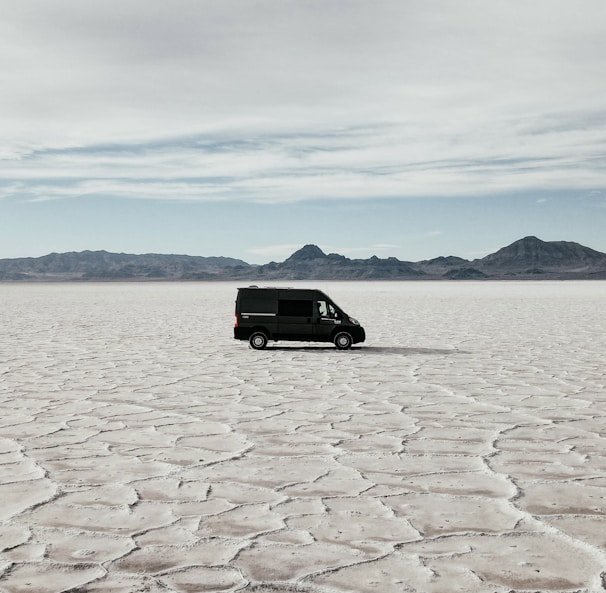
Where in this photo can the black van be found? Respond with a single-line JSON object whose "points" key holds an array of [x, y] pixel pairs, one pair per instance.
{"points": [[301, 314]]}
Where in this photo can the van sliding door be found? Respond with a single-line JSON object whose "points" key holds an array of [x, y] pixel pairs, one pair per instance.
{"points": [[295, 319]]}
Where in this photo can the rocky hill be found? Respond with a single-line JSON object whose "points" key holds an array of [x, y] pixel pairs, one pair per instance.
{"points": [[102, 265], [528, 258], [531, 257], [311, 262]]}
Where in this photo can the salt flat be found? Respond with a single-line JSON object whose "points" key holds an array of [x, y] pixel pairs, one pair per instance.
{"points": [[461, 448]]}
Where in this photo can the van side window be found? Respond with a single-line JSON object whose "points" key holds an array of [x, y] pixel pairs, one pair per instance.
{"points": [[326, 309], [257, 305], [295, 308], [323, 308]]}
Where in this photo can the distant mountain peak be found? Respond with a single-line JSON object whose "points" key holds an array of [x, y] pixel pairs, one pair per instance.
{"points": [[306, 253], [530, 254]]}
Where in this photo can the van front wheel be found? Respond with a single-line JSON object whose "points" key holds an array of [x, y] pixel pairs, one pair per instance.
{"points": [[343, 341], [258, 340]]}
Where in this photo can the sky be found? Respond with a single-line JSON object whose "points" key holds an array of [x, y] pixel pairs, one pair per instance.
{"points": [[249, 128]]}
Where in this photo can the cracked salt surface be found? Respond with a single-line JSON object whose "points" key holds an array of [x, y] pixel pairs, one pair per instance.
{"points": [[461, 448]]}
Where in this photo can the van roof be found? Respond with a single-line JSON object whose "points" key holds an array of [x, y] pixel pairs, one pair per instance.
{"points": [[253, 286]]}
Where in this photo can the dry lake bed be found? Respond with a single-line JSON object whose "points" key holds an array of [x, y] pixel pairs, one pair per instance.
{"points": [[462, 447]]}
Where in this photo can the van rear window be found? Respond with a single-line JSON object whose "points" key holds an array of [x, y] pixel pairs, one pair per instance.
{"points": [[296, 308]]}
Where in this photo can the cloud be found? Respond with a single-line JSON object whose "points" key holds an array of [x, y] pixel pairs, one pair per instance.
{"points": [[354, 163], [300, 99], [275, 252]]}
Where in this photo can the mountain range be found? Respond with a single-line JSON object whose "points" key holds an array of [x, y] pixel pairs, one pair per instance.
{"points": [[528, 258]]}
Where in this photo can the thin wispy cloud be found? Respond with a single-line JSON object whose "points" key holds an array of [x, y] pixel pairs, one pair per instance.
{"points": [[280, 251], [339, 165]]}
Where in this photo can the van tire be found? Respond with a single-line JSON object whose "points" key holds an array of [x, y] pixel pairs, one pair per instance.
{"points": [[258, 340], [343, 341]]}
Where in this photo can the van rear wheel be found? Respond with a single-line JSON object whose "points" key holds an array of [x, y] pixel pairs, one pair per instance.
{"points": [[258, 340], [343, 341]]}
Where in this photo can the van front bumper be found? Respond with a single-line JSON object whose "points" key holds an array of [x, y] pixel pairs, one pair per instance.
{"points": [[359, 335]]}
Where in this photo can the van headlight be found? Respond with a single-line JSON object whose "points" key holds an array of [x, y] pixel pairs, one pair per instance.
{"points": [[354, 321]]}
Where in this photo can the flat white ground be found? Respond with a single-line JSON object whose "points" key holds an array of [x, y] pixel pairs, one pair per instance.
{"points": [[461, 448]]}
